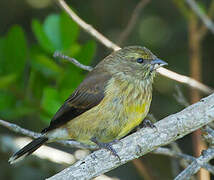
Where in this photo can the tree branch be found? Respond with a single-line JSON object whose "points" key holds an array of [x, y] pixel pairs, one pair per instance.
{"points": [[188, 158], [174, 122], [18, 129], [88, 28], [158, 151], [145, 140], [185, 80], [208, 135], [203, 29], [165, 72], [205, 19], [72, 60], [109, 44], [11, 144], [195, 166]]}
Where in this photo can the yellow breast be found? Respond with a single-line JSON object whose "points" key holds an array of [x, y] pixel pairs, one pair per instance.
{"points": [[125, 105], [135, 99], [135, 115]]}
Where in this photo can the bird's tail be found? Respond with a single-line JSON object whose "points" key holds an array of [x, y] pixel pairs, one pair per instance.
{"points": [[28, 149]]}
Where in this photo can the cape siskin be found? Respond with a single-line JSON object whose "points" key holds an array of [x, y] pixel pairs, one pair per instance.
{"points": [[113, 99]]}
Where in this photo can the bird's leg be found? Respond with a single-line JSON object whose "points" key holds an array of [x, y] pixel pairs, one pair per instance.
{"points": [[148, 123], [107, 146]]}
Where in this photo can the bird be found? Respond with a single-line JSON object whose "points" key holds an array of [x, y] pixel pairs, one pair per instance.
{"points": [[112, 100]]}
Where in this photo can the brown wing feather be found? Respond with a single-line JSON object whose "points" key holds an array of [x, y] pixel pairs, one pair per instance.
{"points": [[88, 94]]}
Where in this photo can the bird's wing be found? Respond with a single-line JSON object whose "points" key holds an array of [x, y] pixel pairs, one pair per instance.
{"points": [[88, 94]]}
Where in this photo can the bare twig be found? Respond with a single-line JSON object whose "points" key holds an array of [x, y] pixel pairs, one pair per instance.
{"points": [[88, 28], [163, 71], [203, 29], [180, 98], [175, 164], [195, 166], [32, 134], [160, 150], [174, 146], [135, 15], [205, 19], [18, 129], [208, 134], [72, 60], [11, 144], [109, 44], [188, 158], [143, 141], [185, 80]]}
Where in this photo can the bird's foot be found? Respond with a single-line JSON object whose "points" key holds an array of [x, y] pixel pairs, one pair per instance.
{"points": [[148, 123], [107, 146]]}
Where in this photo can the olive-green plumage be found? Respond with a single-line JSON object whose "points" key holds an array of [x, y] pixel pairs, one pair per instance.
{"points": [[112, 100]]}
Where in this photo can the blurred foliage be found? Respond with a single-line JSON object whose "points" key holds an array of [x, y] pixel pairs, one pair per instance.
{"points": [[33, 85], [32, 82]]}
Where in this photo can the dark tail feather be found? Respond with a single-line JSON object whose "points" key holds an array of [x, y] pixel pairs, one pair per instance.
{"points": [[28, 149]]}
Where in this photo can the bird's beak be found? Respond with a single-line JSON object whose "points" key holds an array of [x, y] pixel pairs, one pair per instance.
{"points": [[156, 63]]}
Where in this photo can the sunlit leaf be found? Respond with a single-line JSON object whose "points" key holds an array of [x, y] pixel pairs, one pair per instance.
{"points": [[51, 28], [69, 31], [44, 64], [41, 37], [50, 100]]}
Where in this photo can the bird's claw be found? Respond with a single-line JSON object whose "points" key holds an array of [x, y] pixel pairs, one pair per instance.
{"points": [[107, 146], [148, 123]]}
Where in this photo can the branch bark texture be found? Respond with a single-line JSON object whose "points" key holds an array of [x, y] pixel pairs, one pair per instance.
{"points": [[145, 140]]}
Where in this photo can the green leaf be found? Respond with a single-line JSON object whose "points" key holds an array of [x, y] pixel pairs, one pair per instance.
{"points": [[72, 51], [51, 27], [7, 100], [42, 63], [87, 53], [61, 30], [73, 75], [42, 38], [50, 101], [58, 32], [23, 110], [2, 58], [65, 93], [71, 78], [69, 31], [7, 80], [36, 84], [14, 54], [8, 105], [45, 118]]}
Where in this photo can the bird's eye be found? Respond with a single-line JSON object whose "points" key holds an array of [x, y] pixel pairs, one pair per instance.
{"points": [[140, 60]]}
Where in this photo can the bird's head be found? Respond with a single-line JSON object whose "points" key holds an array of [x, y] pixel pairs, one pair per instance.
{"points": [[135, 61]]}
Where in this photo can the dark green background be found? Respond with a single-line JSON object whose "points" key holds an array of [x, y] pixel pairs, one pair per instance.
{"points": [[33, 84]]}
